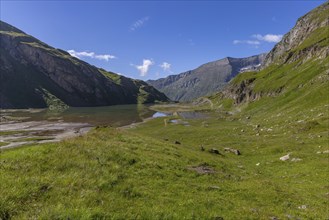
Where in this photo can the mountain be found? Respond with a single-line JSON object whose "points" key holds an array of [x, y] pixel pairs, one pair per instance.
{"points": [[206, 79], [294, 78], [36, 75]]}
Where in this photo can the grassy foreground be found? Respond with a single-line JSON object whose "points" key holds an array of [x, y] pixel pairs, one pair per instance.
{"points": [[141, 173]]}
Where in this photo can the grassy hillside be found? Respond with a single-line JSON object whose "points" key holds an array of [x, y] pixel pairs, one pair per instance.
{"points": [[142, 174]]}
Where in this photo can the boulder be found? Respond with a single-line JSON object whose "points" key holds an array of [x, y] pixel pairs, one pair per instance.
{"points": [[235, 151], [177, 142], [214, 151], [285, 157]]}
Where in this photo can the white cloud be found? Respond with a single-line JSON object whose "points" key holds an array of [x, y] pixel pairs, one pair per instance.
{"points": [[271, 38], [251, 42], [165, 66], [259, 39], [144, 68], [106, 57], [139, 23], [80, 54], [93, 55]]}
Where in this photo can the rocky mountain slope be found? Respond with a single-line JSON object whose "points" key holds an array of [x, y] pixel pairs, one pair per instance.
{"points": [[36, 75], [206, 79], [295, 77], [307, 40]]}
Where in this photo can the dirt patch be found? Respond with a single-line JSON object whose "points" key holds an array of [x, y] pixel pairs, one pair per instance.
{"points": [[203, 169], [34, 132]]}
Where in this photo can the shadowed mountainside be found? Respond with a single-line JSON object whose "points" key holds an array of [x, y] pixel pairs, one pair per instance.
{"points": [[36, 75]]}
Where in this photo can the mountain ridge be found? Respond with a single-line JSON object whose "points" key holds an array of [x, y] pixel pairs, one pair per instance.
{"points": [[205, 79], [32, 71]]}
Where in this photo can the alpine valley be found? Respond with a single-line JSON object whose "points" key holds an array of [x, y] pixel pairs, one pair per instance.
{"points": [[247, 138]]}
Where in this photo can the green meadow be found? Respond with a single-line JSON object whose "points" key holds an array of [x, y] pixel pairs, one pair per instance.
{"points": [[144, 173]]}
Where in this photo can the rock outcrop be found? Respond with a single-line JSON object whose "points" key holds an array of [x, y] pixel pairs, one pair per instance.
{"points": [[304, 41]]}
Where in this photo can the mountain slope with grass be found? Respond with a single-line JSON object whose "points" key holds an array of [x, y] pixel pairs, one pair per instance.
{"points": [[36, 75], [295, 73], [206, 79]]}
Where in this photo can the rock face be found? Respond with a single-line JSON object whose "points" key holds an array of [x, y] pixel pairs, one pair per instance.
{"points": [[294, 46], [206, 79], [32, 71]]}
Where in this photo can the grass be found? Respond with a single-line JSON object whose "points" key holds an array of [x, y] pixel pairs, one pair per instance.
{"points": [[141, 174], [53, 103], [3, 133], [114, 77], [3, 143], [32, 139], [318, 37]]}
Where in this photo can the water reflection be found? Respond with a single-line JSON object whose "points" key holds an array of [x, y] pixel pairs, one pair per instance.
{"points": [[118, 115], [159, 114]]}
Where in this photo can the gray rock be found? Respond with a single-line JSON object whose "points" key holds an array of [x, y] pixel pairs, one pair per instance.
{"points": [[235, 151], [214, 151], [296, 159], [285, 157]]}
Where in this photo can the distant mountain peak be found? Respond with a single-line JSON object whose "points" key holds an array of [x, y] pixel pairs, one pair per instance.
{"points": [[206, 79]]}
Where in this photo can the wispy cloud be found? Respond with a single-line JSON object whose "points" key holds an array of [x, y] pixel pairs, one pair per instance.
{"points": [[271, 38], [258, 39], [144, 68], [93, 55], [166, 66], [139, 23], [251, 42]]}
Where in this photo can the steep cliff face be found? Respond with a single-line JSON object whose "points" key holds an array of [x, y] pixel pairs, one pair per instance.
{"points": [[306, 40], [297, 64], [206, 79], [32, 70]]}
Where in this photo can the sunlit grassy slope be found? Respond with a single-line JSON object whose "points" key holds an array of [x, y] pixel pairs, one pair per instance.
{"points": [[141, 173]]}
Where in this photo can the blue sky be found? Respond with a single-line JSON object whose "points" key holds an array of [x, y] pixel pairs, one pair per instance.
{"points": [[153, 39]]}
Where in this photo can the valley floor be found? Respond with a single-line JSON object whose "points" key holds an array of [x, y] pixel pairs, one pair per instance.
{"points": [[174, 168]]}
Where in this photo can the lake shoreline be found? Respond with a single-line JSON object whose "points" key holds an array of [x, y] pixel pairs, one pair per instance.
{"points": [[21, 127]]}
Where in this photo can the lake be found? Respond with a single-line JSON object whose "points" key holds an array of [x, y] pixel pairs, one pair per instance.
{"points": [[29, 126], [118, 115]]}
